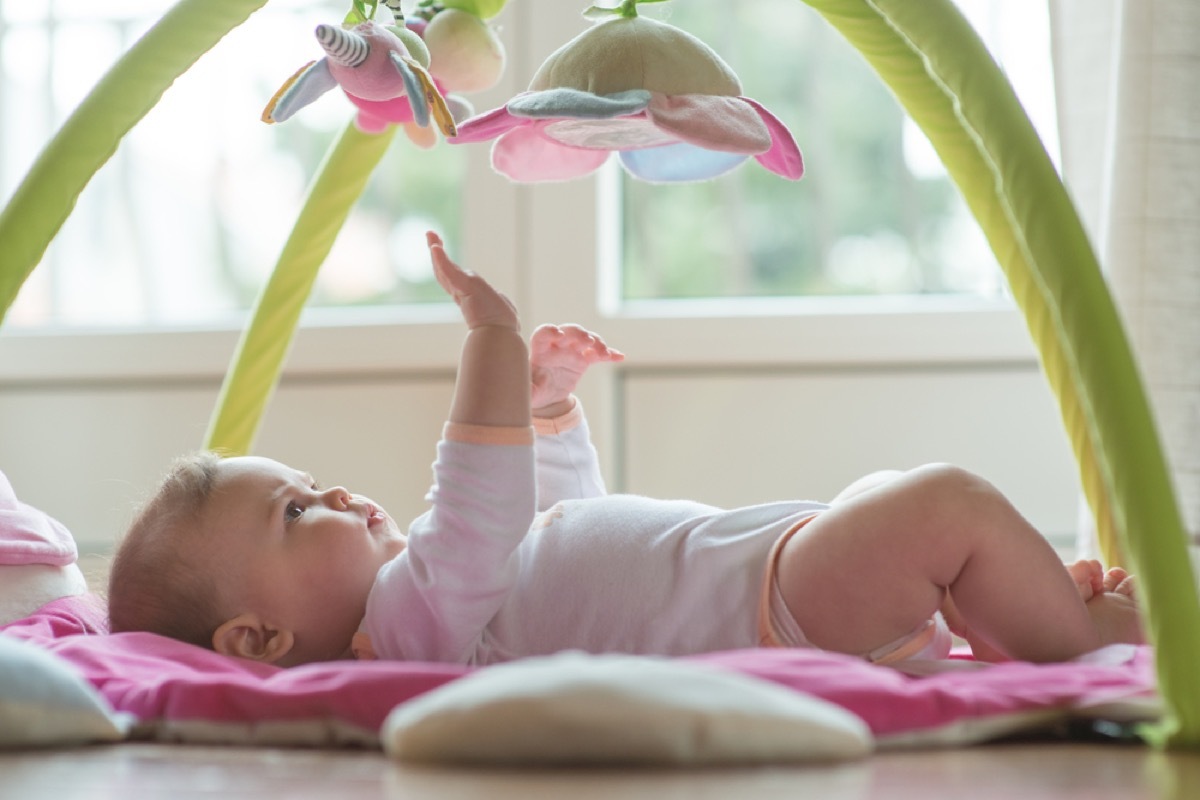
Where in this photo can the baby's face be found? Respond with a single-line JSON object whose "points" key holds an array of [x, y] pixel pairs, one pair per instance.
{"points": [[301, 556]]}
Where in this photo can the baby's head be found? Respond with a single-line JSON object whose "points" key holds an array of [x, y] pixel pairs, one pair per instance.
{"points": [[251, 558]]}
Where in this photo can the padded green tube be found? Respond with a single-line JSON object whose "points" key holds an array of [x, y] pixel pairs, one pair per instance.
{"points": [[124, 95], [259, 358], [943, 76]]}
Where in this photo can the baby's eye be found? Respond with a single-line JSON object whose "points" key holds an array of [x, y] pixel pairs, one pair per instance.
{"points": [[293, 511]]}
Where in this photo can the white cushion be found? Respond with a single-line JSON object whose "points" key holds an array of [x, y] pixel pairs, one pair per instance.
{"points": [[581, 709], [27, 587], [43, 701]]}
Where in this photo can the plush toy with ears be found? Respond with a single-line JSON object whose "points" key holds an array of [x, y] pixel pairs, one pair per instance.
{"points": [[393, 75], [670, 107]]}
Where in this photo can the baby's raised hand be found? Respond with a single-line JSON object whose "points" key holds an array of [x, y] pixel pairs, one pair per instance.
{"points": [[558, 357], [481, 304]]}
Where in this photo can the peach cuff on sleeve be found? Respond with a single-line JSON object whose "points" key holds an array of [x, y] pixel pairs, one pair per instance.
{"points": [[487, 434], [560, 424]]}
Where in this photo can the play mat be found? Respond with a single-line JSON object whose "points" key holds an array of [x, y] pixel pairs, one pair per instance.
{"points": [[669, 109]]}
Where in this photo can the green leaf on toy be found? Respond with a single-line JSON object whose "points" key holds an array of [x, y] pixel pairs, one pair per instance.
{"points": [[362, 11], [627, 9], [484, 9]]}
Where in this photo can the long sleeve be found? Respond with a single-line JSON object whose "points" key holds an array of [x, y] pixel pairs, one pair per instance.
{"points": [[568, 467], [433, 601]]}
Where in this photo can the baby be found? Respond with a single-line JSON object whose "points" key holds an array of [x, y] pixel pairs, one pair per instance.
{"points": [[523, 553]]}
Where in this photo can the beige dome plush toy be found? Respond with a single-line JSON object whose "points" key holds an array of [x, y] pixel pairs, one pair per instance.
{"points": [[661, 99]]}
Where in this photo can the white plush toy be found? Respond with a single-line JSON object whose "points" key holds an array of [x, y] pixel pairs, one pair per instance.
{"points": [[38, 558]]}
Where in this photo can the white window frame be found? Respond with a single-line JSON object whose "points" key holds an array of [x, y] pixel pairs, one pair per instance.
{"points": [[545, 246]]}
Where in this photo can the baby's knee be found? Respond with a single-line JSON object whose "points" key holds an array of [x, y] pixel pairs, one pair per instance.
{"points": [[866, 483], [947, 484]]}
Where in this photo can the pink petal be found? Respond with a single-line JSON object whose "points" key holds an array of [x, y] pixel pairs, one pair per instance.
{"points": [[487, 125], [713, 122], [524, 154], [784, 157]]}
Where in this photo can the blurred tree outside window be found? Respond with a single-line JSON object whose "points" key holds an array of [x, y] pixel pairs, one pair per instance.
{"points": [[183, 225], [875, 214]]}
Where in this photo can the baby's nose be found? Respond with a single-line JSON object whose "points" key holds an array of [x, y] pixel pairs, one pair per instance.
{"points": [[338, 497]]}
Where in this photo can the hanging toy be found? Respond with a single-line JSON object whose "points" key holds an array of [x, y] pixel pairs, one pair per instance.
{"points": [[663, 100], [465, 55], [383, 70]]}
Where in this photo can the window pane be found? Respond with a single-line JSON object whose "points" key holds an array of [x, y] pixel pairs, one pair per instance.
{"points": [[184, 223], [874, 214]]}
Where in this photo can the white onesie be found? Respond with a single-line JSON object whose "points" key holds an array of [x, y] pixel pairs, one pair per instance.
{"points": [[514, 560]]}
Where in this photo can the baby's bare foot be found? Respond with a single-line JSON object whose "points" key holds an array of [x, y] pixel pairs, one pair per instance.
{"points": [[1089, 576], [1116, 616]]}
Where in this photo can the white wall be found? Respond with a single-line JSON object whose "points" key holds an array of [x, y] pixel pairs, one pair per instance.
{"points": [[89, 449]]}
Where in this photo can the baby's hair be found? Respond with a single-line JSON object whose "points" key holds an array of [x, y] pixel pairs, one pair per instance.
{"points": [[161, 580]]}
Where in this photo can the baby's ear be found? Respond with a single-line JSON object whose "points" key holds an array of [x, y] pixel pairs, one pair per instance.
{"points": [[247, 636]]}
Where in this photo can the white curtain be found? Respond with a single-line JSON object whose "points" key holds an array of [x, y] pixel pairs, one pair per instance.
{"points": [[1128, 89]]}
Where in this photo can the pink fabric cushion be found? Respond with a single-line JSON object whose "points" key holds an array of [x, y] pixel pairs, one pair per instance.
{"points": [[30, 536], [187, 692]]}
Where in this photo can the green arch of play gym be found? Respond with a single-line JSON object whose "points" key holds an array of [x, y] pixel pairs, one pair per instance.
{"points": [[941, 73]]}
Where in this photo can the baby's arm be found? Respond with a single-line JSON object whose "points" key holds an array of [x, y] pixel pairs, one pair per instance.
{"points": [[435, 600], [567, 465], [492, 388]]}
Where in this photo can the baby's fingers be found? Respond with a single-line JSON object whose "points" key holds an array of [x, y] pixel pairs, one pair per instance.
{"points": [[479, 302], [450, 276], [590, 345]]}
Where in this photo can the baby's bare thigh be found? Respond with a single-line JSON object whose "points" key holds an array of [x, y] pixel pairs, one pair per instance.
{"points": [[852, 577]]}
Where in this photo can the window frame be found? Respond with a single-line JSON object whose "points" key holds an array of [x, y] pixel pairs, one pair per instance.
{"points": [[546, 246]]}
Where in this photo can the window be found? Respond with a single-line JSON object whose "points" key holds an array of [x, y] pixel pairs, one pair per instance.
{"points": [[184, 224], [876, 212]]}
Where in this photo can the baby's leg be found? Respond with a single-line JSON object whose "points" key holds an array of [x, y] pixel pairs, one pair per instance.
{"points": [[1117, 618], [867, 482], [877, 565]]}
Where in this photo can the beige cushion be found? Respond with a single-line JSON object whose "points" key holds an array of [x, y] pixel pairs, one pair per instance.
{"points": [[618, 710]]}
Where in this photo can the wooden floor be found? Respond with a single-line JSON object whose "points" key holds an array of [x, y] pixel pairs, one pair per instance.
{"points": [[1026, 771]]}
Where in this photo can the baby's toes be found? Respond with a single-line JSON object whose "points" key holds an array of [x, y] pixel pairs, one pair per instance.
{"points": [[1119, 581], [1088, 575]]}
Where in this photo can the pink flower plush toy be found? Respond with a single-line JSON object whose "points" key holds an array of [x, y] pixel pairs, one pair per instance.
{"points": [[661, 99]]}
